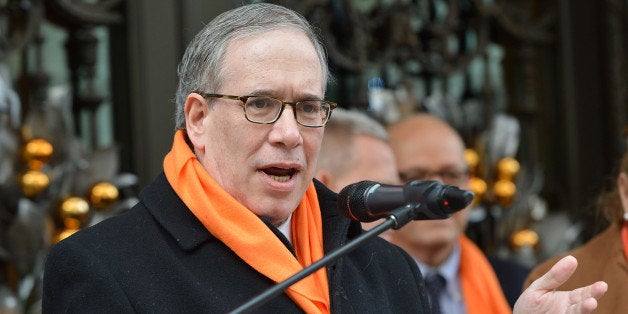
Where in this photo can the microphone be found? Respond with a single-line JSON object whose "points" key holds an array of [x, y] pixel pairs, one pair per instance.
{"points": [[368, 201]]}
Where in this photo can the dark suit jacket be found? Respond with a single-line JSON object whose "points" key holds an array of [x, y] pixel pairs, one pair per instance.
{"points": [[158, 258], [511, 276]]}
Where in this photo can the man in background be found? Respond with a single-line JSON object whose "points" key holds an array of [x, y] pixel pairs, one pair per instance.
{"points": [[463, 281], [355, 148]]}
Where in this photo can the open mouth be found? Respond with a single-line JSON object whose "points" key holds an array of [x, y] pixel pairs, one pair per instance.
{"points": [[279, 174]]}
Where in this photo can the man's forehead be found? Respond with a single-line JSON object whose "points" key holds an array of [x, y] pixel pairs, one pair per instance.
{"points": [[265, 63]]}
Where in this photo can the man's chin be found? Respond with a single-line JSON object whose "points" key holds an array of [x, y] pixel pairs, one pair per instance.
{"points": [[274, 215], [437, 239]]}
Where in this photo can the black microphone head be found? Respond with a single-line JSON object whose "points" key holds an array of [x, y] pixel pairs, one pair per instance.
{"points": [[455, 199], [352, 200]]}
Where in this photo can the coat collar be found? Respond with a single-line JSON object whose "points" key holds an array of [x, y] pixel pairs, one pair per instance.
{"points": [[173, 215]]}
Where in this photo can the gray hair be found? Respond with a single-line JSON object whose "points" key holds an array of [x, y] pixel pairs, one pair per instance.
{"points": [[338, 147], [201, 66]]}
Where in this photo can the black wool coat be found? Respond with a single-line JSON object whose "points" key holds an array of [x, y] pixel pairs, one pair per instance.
{"points": [[158, 258]]}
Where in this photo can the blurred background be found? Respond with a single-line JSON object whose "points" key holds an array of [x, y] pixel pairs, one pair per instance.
{"points": [[537, 88]]}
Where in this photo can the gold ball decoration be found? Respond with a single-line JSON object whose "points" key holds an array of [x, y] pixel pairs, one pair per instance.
{"points": [[103, 194], [37, 152], [478, 187], [73, 212], [507, 168], [504, 191], [472, 158], [63, 234], [33, 182], [524, 237]]}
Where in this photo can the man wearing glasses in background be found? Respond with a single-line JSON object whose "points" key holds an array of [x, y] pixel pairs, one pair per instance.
{"points": [[455, 269], [237, 210]]}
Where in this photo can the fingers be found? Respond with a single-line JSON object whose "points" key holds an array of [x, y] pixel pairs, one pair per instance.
{"points": [[585, 298], [598, 289], [593, 291], [541, 297], [587, 306], [557, 275]]}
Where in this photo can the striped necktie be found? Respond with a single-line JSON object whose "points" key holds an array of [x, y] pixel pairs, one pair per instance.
{"points": [[435, 283]]}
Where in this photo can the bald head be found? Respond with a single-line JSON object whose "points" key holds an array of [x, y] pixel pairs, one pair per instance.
{"points": [[424, 144], [355, 148], [427, 148], [420, 124]]}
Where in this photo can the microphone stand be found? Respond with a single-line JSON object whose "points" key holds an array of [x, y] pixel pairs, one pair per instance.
{"points": [[396, 219]]}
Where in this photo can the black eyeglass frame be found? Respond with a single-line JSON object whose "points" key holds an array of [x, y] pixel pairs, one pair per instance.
{"points": [[447, 176], [243, 100]]}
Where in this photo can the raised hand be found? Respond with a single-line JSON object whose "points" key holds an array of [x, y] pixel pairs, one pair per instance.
{"points": [[541, 296]]}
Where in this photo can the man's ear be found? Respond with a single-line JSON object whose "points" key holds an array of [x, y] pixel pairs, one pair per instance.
{"points": [[196, 114]]}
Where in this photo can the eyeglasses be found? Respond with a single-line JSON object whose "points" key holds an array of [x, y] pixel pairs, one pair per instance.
{"points": [[312, 113], [447, 176]]}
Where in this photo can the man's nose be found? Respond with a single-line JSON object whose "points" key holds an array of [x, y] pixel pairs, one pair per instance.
{"points": [[286, 129]]}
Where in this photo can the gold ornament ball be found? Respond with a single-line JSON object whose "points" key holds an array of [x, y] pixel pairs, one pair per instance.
{"points": [[524, 237], [478, 187], [37, 152], [63, 234], [33, 182], [472, 158], [73, 212], [504, 190], [103, 194], [507, 168]]}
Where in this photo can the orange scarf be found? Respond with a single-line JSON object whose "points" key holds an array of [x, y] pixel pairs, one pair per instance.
{"points": [[480, 287], [246, 234], [624, 238]]}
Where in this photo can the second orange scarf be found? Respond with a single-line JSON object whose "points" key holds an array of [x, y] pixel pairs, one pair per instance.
{"points": [[480, 287], [246, 234]]}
